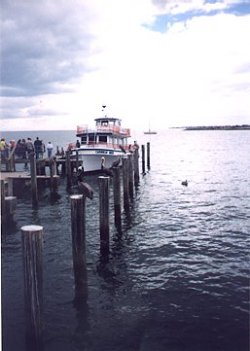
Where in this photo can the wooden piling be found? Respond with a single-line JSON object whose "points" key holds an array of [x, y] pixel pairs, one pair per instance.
{"points": [[125, 178], [117, 196], [3, 207], [77, 160], [33, 178], [143, 159], [54, 178], [68, 169], [130, 176], [148, 156], [136, 167], [10, 186], [32, 244], [104, 213], [10, 206], [12, 165], [40, 167], [78, 244]]}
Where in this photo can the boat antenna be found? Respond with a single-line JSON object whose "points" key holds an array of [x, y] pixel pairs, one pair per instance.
{"points": [[103, 108]]}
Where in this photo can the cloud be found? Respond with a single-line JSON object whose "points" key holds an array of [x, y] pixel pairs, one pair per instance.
{"points": [[75, 58], [45, 44], [205, 6]]}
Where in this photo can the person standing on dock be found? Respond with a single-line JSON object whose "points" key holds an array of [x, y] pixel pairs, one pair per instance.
{"points": [[29, 146], [4, 149], [49, 149], [38, 147]]}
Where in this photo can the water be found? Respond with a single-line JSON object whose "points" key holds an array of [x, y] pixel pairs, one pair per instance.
{"points": [[177, 279]]}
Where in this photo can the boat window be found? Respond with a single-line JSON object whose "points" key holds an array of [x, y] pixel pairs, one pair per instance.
{"points": [[91, 138], [102, 138], [83, 140]]}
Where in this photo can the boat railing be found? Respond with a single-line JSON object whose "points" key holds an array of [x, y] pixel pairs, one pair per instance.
{"points": [[125, 131], [93, 144], [108, 129], [105, 129]]}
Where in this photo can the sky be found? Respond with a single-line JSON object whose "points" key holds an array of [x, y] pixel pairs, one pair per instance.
{"points": [[157, 63]]}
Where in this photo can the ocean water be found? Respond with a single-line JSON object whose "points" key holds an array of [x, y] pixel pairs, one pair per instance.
{"points": [[177, 278]]}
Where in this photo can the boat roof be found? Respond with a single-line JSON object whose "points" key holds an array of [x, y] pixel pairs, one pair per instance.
{"points": [[107, 118]]}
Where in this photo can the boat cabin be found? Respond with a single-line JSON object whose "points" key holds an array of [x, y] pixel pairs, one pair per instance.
{"points": [[107, 132]]}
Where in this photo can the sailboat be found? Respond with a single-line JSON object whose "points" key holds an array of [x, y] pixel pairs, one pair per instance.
{"points": [[149, 131]]}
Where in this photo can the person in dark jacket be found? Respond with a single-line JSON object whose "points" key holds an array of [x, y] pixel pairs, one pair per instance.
{"points": [[38, 147]]}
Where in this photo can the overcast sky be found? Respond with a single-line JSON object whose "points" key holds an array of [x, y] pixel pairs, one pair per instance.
{"points": [[163, 62]]}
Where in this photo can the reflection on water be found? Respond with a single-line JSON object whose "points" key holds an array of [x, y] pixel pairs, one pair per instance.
{"points": [[177, 277]]}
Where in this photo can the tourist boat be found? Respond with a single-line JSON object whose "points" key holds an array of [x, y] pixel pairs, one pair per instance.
{"points": [[101, 147]]}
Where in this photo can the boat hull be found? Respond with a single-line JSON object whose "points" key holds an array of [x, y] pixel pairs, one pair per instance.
{"points": [[94, 160]]}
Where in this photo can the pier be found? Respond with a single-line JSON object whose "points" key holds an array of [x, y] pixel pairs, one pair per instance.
{"points": [[42, 173]]}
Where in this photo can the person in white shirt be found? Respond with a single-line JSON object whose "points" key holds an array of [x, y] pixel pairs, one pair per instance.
{"points": [[49, 149]]}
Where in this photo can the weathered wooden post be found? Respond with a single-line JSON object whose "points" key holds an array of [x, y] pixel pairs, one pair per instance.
{"points": [[33, 178], [10, 206], [78, 244], [77, 160], [68, 169], [32, 245], [143, 159], [12, 162], [10, 186], [136, 167], [3, 207], [125, 179], [40, 166], [104, 213], [148, 155], [54, 178], [130, 176], [63, 169], [117, 196]]}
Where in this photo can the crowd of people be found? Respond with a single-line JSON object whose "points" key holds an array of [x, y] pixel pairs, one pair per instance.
{"points": [[23, 148]]}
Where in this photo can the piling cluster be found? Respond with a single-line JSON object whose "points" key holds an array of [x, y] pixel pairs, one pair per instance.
{"points": [[125, 181]]}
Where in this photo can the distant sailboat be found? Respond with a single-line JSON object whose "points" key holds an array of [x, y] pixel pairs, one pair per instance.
{"points": [[149, 131]]}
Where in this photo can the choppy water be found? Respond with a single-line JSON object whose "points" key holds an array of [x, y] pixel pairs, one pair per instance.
{"points": [[177, 279]]}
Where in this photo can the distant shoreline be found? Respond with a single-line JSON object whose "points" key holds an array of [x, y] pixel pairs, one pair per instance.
{"points": [[233, 127]]}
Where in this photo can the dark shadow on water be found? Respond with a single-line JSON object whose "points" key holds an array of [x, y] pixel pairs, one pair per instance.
{"points": [[54, 198], [80, 337]]}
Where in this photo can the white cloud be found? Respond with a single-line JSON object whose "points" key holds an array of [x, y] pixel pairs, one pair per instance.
{"points": [[196, 72]]}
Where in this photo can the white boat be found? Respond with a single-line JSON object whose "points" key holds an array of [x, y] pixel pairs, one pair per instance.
{"points": [[101, 146]]}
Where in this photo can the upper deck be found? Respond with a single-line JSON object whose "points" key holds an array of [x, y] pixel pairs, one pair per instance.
{"points": [[105, 125]]}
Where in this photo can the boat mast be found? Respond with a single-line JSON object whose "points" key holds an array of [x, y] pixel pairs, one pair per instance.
{"points": [[103, 110]]}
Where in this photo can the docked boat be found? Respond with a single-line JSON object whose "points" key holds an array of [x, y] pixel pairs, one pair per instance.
{"points": [[102, 146]]}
